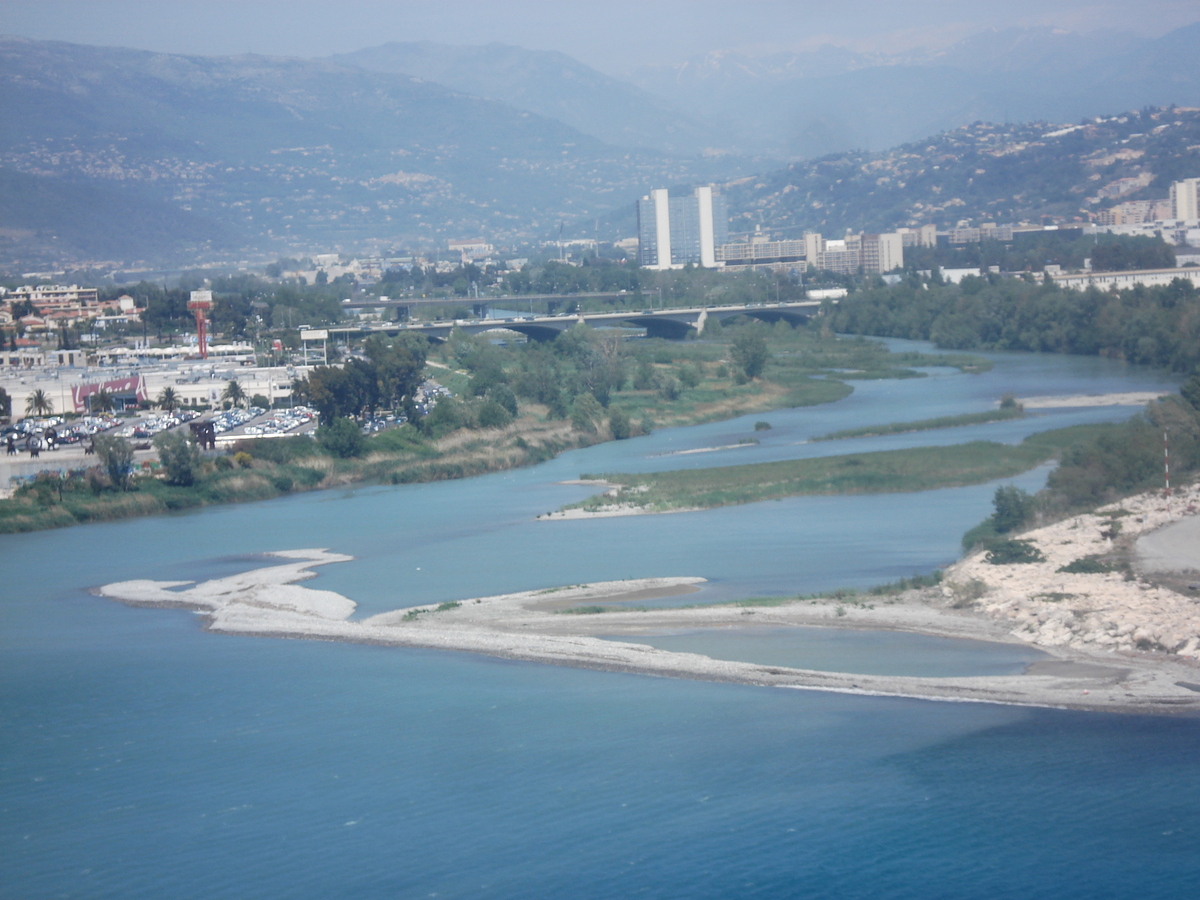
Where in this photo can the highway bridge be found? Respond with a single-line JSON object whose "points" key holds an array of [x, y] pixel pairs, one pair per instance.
{"points": [[665, 323]]}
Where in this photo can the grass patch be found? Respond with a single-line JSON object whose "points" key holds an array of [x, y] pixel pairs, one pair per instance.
{"points": [[980, 418], [583, 610]]}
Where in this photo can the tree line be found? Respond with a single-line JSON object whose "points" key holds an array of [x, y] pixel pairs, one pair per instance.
{"points": [[1149, 325]]}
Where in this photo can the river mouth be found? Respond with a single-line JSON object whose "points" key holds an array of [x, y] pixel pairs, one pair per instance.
{"points": [[848, 650]]}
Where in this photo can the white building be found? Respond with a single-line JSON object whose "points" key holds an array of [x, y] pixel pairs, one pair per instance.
{"points": [[1184, 200], [1122, 280], [676, 231]]}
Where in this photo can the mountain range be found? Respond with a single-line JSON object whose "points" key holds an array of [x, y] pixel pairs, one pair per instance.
{"points": [[118, 155], [273, 154]]}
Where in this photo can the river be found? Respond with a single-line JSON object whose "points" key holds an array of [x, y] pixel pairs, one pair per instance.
{"points": [[143, 757]]}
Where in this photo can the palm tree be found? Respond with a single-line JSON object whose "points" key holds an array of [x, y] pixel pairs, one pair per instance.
{"points": [[233, 393], [38, 404], [101, 401], [168, 399]]}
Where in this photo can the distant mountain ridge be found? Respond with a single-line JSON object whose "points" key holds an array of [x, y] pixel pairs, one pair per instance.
{"points": [[258, 154], [548, 83]]}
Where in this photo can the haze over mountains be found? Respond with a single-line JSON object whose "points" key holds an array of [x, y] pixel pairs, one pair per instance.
{"points": [[798, 105], [549, 84], [114, 154]]}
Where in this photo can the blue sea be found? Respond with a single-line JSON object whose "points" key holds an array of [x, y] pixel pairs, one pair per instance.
{"points": [[144, 758]]}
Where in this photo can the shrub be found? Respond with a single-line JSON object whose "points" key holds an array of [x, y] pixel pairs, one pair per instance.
{"points": [[278, 450], [116, 456], [618, 424], [448, 415], [762, 426], [689, 376], [1003, 553], [493, 415], [643, 378], [223, 463], [342, 438], [243, 459], [669, 389], [965, 594], [1087, 565], [180, 457]]}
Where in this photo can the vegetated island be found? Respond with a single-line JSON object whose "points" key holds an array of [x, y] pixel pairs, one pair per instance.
{"points": [[882, 471]]}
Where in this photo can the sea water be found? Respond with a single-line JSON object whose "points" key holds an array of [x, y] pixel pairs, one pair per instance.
{"points": [[142, 757]]}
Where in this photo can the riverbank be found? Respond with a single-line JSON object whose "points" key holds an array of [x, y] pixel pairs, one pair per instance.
{"points": [[1116, 606], [564, 626]]}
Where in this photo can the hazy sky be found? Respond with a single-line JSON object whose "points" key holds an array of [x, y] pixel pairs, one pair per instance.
{"points": [[612, 35]]}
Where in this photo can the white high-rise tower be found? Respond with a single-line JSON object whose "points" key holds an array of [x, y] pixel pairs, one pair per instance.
{"points": [[675, 231]]}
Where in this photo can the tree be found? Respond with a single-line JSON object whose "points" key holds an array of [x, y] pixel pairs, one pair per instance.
{"points": [[233, 393], [342, 437], [101, 401], [584, 413], [168, 400], [5, 404], [1013, 508], [1191, 391], [180, 457], [116, 456], [504, 395], [38, 404], [750, 353]]}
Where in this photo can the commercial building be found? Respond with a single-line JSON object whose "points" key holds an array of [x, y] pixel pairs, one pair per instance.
{"points": [[676, 231]]}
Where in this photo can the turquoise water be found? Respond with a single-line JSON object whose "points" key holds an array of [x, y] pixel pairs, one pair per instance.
{"points": [[142, 757]]}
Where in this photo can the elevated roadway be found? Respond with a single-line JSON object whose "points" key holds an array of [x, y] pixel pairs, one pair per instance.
{"points": [[665, 323]]}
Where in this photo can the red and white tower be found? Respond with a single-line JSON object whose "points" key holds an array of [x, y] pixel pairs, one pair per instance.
{"points": [[200, 304]]}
